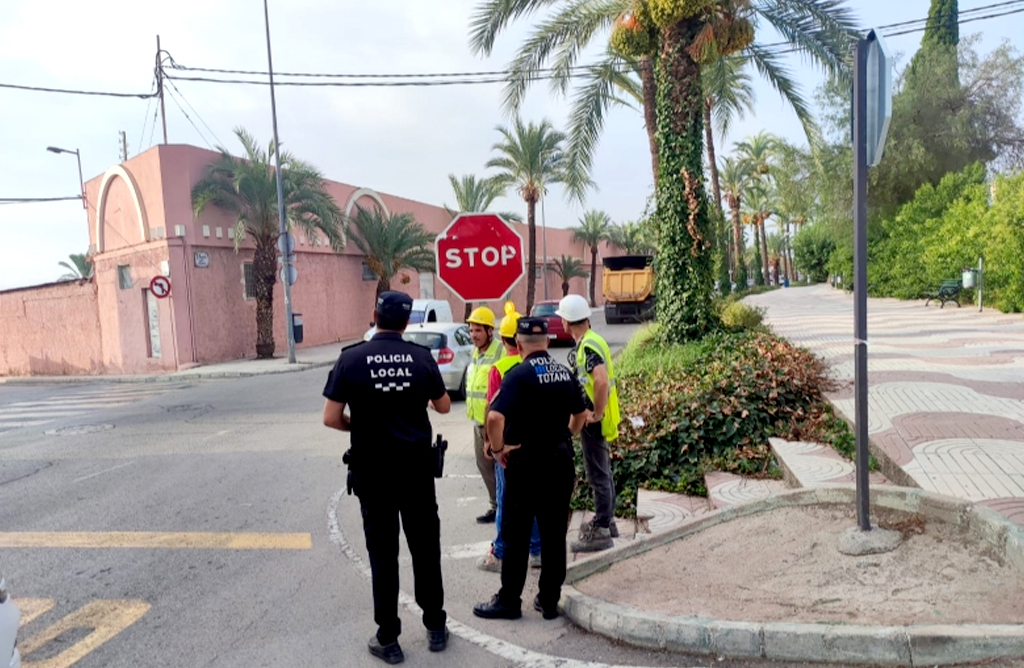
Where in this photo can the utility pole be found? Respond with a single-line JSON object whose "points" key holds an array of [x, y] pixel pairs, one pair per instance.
{"points": [[285, 257], [124, 146], [160, 85]]}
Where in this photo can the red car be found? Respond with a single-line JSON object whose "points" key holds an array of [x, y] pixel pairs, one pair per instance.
{"points": [[546, 309]]}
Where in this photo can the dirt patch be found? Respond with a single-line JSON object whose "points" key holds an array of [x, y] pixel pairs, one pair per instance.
{"points": [[783, 566]]}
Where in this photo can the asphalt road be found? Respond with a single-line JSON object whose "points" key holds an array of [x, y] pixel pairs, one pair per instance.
{"points": [[204, 524]]}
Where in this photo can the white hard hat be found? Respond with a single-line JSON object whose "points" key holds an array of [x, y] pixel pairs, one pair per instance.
{"points": [[573, 308]]}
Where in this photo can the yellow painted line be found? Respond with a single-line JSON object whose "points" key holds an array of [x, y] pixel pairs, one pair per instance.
{"points": [[31, 608], [105, 618], [151, 540]]}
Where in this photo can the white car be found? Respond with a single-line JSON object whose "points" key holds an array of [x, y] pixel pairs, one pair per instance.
{"points": [[10, 618], [452, 348], [423, 311]]}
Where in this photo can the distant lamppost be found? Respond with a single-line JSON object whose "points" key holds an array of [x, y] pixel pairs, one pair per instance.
{"points": [[81, 181]]}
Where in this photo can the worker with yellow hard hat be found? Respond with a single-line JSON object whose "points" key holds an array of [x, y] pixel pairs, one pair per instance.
{"points": [[488, 350], [507, 331]]}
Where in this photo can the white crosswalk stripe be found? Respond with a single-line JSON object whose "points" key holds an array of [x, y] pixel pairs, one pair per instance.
{"points": [[74, 402]]}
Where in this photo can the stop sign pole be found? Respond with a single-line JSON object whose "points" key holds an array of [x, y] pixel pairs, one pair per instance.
{"points": [[479, 257]]}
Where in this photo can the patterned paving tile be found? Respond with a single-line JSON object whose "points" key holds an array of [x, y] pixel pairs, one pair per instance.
{"points": [[667, 510], [726, 489], [973, 469]]}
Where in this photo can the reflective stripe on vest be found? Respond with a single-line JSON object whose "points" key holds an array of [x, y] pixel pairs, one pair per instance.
{"points": [[610, 421], [476, 380]]}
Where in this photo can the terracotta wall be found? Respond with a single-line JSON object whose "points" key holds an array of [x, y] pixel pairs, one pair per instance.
{"points": [[50, 330]]}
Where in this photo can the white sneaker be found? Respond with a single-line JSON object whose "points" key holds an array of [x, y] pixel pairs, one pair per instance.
{"points": [[534, 561], [489, 562]]}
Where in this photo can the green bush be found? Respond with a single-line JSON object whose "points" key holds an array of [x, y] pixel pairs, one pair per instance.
{"points": [[812, 248], [738, 315], [711, 404]]}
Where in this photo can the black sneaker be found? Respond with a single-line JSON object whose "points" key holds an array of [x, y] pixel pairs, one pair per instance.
{"points": [[496, 610], [613, 529], [592, 539], [390, 653], [488, 517], [438, 639], [547, 614]]}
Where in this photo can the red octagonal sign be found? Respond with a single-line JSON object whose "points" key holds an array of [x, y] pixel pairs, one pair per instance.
{"points": [[479, 257]]}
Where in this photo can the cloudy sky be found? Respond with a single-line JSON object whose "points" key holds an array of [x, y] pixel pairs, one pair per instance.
{"points": [[403, 141]]}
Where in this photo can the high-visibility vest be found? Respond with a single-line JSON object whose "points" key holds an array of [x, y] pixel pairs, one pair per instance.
{"points": [[507, 362], [592, 341], [476, 379]]}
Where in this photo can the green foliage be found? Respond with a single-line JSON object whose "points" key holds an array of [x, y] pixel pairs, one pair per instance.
{"points": [[812, 248], [391, 243], [758, 263], [724, 279], [946, 228], [943, 27], [738, 315], [711, 404], [80, 267]]}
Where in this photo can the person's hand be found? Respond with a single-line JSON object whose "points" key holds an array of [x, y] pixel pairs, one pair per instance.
{"points": [[487, 450], [502, 456], [593, 418]]}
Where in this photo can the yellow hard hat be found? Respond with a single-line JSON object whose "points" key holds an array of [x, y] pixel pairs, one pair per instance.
{"points": [[481, 315], [507, 330]]}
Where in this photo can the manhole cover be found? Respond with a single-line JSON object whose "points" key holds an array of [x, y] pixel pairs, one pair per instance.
{"points": [[79, 430]]}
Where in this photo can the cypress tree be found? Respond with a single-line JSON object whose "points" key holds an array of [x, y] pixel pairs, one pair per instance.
{"points": [[943, 27]]}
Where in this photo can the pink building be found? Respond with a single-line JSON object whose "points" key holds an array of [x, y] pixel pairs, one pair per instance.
{"points": [[141, 226]]}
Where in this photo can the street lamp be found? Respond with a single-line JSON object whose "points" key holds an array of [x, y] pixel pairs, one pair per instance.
{"points": [[81, 181]]}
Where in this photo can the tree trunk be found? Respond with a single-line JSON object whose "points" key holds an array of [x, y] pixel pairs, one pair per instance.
{"points": [[764, 250], [531, 278], [565, 288], [709, 138], [685, 230], [383, 285], [264, 275], [593, 275], [650, 110], [737, 235]]}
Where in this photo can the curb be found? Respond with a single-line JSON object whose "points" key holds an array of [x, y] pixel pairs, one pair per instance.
{"points": [[919, 645], [172, 377]]}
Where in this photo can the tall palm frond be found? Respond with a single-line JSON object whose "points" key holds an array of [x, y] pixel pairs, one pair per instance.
{"points": [[593, 229], [79, 268], [475, 195], [631, 237], [568, 268]]}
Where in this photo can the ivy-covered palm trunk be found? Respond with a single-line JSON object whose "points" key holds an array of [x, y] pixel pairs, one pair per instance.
{"points": [[264, 275], [685, 231]]}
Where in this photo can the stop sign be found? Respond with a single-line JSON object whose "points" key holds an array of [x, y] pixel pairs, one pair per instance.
{"points": [[479, 257]]}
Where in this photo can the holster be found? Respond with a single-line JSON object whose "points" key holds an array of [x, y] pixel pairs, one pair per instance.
{"points": [[439, 447], [350, 481]]}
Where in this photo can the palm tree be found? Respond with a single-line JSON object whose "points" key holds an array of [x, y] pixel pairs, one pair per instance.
{"points": [[568, 268], [728, 95], [735, 178], [247, 189], [530, 158], [473, 195], [631, 237], [392, 243], [80, 267], [593, 229], [679, 38], [760, 203]]}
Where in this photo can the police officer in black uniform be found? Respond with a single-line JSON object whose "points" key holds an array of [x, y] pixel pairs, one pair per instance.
{"points": [[530, 426], [388, 383]]}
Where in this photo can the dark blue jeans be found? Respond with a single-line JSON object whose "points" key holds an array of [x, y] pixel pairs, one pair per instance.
{"points": [[499, 544]]}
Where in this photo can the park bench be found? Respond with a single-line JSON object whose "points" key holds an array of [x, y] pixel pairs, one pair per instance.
{"points": [[949, 291]]}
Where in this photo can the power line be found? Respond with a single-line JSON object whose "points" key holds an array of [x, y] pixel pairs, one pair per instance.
{"points": [[145, 117], [40, 89], [967, 20], [196, 112], [33, 200], [189, 118]]}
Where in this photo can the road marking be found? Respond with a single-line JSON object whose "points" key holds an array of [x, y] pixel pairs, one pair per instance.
{"points": [[31, 608], [519, 656], [152, 539], [105, 618], [93, 475], [465, 501]]}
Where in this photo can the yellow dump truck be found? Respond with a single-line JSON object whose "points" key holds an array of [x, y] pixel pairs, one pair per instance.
{"points": [[628, 286]]}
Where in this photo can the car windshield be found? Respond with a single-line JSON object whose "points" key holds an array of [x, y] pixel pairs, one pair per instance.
{"points": [[432, 340], [543, 309], [416, 317]]}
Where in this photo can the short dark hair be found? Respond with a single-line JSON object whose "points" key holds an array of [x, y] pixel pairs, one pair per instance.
{"points": [[510, 340], [394, 324]]}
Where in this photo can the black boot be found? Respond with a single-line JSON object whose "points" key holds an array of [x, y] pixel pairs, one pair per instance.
{"points": [[390, 653], [496, 610], [438, 639]]}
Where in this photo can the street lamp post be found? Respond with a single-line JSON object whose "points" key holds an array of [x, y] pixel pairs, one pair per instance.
{"points": [[81, 181]]}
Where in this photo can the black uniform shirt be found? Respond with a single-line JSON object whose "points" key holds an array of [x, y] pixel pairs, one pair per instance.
{"points": [[387, 382], [537, 397]]}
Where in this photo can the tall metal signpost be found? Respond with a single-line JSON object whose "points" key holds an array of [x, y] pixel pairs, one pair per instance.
{"points": [[872, 111], [286, 270]]}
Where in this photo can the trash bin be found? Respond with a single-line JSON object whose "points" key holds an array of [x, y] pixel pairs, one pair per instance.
{"points": [[297, 327], [969, 278]]}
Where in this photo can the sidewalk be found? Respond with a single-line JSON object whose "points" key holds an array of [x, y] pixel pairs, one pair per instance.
{"points": [[305, 358], [946, 397]]}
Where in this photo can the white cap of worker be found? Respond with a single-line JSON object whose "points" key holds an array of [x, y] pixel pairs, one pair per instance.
{"points": [[573, 308]]}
